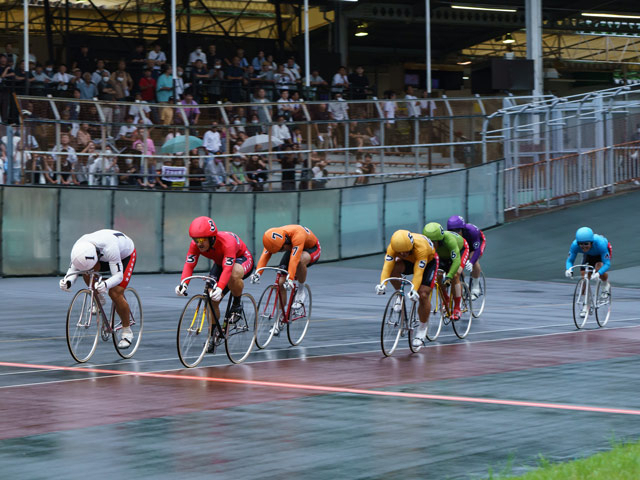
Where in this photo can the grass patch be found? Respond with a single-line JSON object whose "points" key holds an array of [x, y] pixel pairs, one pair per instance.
{"points": [[622, 462]]}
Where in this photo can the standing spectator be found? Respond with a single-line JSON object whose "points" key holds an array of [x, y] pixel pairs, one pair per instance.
{"points": [[192, 112], [80, 172], [196, 172], [85, 61], [214, 172], [413, 105], [288, 168], [281, 131], [121, 82], [234, 75], [320, 173], [216, 78], [293, 70], [285, 108], [212, 141], [12, 58], [340, 81], [263, 111], [257, 62], [147, 85], [107, 165], [427, 105], [212, 56], [91, 155], [88, 89], [339, 110], [65, 149], [254, 127], [39, 82], [96, 77], [199, 75], [318, 84], [164, 86], [364, 168], [140, 143], [137, 62], [181, 87], [244, 63], [83, 137], [359, 84], [140, 111], [323, 129], [62, 79], [389, 107], [282, 79], [158, 57], [196, 55], [297, 113]]}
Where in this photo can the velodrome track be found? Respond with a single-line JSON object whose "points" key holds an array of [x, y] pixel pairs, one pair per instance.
{"points": [[524, 383]]}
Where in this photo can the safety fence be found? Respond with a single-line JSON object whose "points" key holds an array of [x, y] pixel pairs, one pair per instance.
{"points": [[40, 224]]}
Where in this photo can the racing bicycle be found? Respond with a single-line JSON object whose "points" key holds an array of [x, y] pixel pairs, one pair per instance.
{"points": [[398, 320], [442, 305], [585, 303]]}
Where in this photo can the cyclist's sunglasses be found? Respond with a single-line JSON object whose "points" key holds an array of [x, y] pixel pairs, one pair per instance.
{"points": [[584, 244], [200, 239]]}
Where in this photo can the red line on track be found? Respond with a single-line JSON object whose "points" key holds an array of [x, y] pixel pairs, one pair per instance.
{"points": [[329, 389]]}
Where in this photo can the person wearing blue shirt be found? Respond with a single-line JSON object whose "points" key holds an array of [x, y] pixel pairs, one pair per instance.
{"points": [[597, 253]]}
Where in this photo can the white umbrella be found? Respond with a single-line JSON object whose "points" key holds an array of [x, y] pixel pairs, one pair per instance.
{"points": [[259, 143]]}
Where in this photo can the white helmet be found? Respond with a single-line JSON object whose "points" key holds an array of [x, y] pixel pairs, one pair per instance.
{"points": [[84, 255]]}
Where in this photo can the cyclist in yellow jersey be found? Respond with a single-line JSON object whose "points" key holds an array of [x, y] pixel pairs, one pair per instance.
{"points": [[412, 254]]}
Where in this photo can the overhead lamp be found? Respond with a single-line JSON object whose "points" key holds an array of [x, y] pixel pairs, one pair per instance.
{"points": [[611, 15], [361, 30], [508, 38], [485, 9], [468, 62]]}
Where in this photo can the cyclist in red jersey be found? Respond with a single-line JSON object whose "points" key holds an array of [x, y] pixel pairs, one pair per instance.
{"points": [[232, 261]]}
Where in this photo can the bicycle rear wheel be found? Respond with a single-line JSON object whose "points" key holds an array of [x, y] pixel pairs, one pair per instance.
{"points": [[478, 302], [194, 330], [412, 327], [299, 319], [580, 301], [392, 323], [603, 306], [240, 333], [135, 323], [434, 325], [83, 326], [462, 326], [268, 314]]}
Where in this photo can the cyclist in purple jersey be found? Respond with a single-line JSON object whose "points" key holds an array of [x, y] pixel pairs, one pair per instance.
{"points": [[476, 240]]}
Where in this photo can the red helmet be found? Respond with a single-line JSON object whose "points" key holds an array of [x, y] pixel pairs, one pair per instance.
{"points": [[202, 227]]}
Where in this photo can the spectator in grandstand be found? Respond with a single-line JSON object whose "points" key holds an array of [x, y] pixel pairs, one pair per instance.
{"points": [[359, 84], [76, 76], [365, 167], [257, 62], [192, 112], [107, 165], [257, 173], [360, 132], [237, 128], [296, 137], [85, 61], [214, 172], [3, 163], [12, 57], [292, 69], [212, 140], [244, 63], [140, 144], [339, 110], [88, 89], [288, 161], [390, 107], [166, 113], [320, 173], [62, 79], [212, 56], [297, 113], [196, 172], [234, 75], [140, 111], [199, 77], [282, 79], [322, 132], [237, 178], [164, 86], [48, 175], [285, 108], [216, 79], [136, 62], [147, 86], [80, 172], [96, 77], [253, 127], [280, 130], [413, 105], [316, 80], [90, 155], [250, 77], [66, 168], [129, 174], [65, 149], [158, 57], [340, 81], [264, 114], [121, 82], [105, 89], [427, 105], [39, 82], [83, 137], [181, 86], [196, 55]]}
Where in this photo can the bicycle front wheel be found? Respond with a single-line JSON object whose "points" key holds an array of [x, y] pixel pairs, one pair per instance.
{"points": [[581, 303], [135, 323], [268, 314], [477, 301], [194, 330], [434, 326], [240, 333], [83, 326], [462, 326], [299, 319], [603, 305], [392, 323]]}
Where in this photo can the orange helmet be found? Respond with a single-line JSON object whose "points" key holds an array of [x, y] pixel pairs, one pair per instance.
{"points": [[273, 239]]}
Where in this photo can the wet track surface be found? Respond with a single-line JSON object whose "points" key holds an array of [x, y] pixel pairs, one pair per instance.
{"points": [[332, 408]]}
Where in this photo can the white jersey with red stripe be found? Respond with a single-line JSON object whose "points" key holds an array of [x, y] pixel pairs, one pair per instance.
{"points": [[112, 247]]}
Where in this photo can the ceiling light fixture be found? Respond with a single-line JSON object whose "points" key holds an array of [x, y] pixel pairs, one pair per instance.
{"points": [[508, 38], [485, 9], [361, 30], [468, 62], [611, 15]]}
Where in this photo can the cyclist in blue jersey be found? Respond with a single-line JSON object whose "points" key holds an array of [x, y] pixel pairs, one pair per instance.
{"points": [[597, 252]]}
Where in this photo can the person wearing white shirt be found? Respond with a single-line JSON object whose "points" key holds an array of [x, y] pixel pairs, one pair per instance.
{"points": [[281, 131], [413, 106], [340, 81], [196, 55], [61, 78], [389, 108], [284, 107], [65, 147], [158, 57], [140, 111], [212, 141], [339, 108], [427, 106], [96, 77]]}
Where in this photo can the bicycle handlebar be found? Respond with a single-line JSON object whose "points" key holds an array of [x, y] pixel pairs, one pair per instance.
{"points": [[277, 269], [202, 277], [399, 279], [588, 268]]}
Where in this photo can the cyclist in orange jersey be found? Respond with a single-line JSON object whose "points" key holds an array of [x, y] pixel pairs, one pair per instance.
{"points": [[302, 249]]}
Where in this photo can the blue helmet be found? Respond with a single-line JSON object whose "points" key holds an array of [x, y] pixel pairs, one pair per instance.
{"points": [[584, 234], [456, 222]]}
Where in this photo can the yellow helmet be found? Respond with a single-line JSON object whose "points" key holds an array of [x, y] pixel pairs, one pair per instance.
{"points": [[401, 241]]}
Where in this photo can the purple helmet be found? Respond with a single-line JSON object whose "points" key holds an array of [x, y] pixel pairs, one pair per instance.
{"points": [[455, 222]]}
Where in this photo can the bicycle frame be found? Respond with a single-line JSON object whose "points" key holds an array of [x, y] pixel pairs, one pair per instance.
{"points": [[403, 282], [588, 271], [210, 282], [285, 312], [95, 277]]}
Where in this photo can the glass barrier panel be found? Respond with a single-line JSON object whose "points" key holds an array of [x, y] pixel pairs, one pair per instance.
{"points": [[233, 212], [445, 196], [361, 221], [273, 210], [179, 210], [29, 230], [481, 201], [320, 211], [81, 212], [404, 207], [139, 216]]}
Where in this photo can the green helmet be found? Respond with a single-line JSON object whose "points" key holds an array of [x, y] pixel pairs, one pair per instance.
{"points": [[433, 231]]}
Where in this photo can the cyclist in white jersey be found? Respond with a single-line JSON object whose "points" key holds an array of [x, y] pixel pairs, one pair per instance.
{"points": [[101, 251]]}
